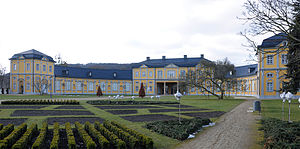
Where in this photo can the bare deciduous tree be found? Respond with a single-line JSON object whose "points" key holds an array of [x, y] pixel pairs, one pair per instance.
{"points": [[211, 77]]}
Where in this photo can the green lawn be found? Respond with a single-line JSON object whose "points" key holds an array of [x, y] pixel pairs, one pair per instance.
{"points": [[273, 108], [160, 141]]}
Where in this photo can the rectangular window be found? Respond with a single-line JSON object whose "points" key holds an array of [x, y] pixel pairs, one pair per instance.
{"points": [[78, 85], [137, 74], [115, 87], [68, 85], [50, 68], [171, 74], [15, 86], [15, 67], [91, 86], [127, 87], [284, 59], [103, 86], [270, 87], [44, 68], [143, 74], [28, 86], [150, 88], [150, 73], [160, 74], [269, 59], [136, 88], [37, 67], [193, 89], [28, 66], [57, 85]]}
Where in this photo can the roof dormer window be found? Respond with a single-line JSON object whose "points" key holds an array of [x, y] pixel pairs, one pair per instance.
{"points": [[115, 75], [65, 72], [90, 74]]}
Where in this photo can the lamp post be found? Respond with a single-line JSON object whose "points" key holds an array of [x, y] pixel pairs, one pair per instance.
{"points": [[282, 96], [178, 96], [289, 96]]}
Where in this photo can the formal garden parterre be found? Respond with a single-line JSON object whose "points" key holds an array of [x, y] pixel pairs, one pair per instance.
{"points": [[126, 113]]}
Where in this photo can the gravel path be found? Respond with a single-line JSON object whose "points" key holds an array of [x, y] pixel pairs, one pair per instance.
{"points": [[234, 130]]}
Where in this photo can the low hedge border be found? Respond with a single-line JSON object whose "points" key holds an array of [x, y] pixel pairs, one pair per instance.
{"points": [[6, 131], [113, 139], [26, 138], [70, 136], [103, 142], [144, 141], [55, 139], [90, 144], [13, 137], [40, 140], [41, 102], [131, 141], [132, 102]]}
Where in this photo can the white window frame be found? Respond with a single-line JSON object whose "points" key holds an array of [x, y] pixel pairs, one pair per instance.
{"points": [[91, 86], [150, 73], [44, 68], [171, 73], [37, 67], [136, 74], [15, 86], [50, 68], [102, 85], [15, 67], [127, 87], [270, 86], [57, 84], [115, 86], [143, 74], [270, 60], [160, 74], [68, 85], [28, 66], [78, 86]]}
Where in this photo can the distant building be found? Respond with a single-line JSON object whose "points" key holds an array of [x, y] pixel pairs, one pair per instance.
{"points": [[33, 72]]}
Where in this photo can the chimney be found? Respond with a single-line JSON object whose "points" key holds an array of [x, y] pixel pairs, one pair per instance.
{"points": [[148, 58], [185, 56], [202, 55], [163, 57]]}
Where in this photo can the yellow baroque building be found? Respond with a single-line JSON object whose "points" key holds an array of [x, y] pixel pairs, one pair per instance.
{"points": [[33, 72]]}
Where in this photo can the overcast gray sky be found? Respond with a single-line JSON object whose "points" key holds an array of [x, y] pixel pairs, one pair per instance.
{"points": [[123, 31]]}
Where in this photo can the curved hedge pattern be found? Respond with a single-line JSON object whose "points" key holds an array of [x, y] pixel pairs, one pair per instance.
{"points": [[6, 131], [8, 141]]}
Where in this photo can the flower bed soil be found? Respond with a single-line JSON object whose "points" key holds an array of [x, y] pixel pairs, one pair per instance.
{"points": [[79, 142], [63, 140], [150, 117], [49, 112], [69, 107], [173, 110], [176, 106], [116, 112], [22, 107], [126, 107], [72, 120], [15, 121], [205, 114]]}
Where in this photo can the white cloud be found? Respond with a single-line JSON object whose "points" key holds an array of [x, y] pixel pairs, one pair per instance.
{"points": [[122, 31]]}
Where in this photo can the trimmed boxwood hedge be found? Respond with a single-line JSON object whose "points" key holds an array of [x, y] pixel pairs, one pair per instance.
{"points": [[40, 140], [113, 139], [144, 141], [173, 129], [280, 134], [41, 102], [13, 137], [102, 141], [55, 139], [132, 102], [6, 131], [26, 138], [90, 144], [70, 136]]}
